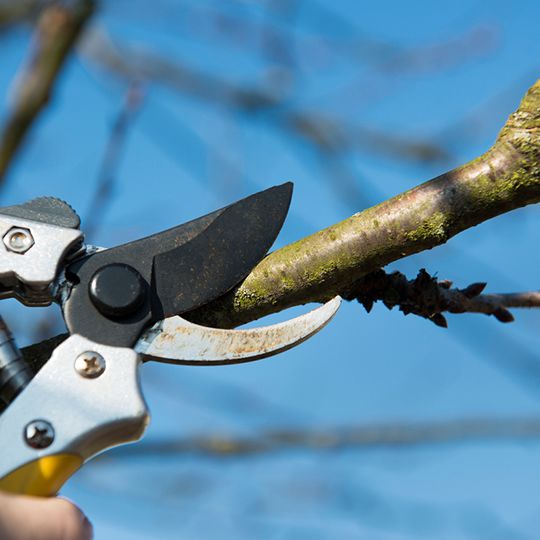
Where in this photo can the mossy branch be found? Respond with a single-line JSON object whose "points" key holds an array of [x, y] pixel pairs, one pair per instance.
{"points": [[333, 260], [330, 261]]}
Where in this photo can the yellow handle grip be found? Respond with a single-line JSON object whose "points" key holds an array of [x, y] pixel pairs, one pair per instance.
{"points": [[42, 477]]}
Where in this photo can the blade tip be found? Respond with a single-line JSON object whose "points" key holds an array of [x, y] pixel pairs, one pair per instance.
{"points": [[285, 192], [286, 188]]}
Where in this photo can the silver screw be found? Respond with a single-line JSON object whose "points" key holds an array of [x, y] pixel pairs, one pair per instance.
{"points": [[18, 240], [90, 364], [39, 434]]}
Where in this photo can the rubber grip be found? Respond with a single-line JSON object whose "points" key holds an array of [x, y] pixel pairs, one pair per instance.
{"points": [[43, 477]]}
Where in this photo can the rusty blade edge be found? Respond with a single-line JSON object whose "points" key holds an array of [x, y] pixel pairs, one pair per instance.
{"points": [[177, 341]]}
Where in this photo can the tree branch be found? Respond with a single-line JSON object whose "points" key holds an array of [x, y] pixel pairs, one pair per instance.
{"points": [[401, 435], [57, 29], [330, 261], [425, 297]]}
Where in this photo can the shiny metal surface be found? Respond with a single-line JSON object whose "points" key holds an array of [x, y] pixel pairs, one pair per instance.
{"points": [[28, 270], [178, 341], [18, 240], [90, 364], [88, 415], [39, 434]]}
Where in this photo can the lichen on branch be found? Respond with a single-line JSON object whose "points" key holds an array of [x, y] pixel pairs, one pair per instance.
{"points": [[328, 262], [332, 261]]}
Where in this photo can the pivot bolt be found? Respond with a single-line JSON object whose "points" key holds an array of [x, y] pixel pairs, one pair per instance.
{"points": [[117, 290], [18, 240], [39, 434], [90, 364]]}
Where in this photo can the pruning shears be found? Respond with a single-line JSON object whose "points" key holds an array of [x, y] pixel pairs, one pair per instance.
{"points": [[122, 306]]}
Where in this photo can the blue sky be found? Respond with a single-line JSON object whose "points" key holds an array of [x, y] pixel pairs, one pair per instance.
{"points": [[362, 369]]}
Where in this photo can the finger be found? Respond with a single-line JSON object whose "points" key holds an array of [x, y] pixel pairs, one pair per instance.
{"points": [[34, 518]]}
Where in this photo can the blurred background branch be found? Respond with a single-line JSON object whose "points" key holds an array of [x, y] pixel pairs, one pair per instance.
{"points": [[324, 133], [398, 436], [57, 29]]}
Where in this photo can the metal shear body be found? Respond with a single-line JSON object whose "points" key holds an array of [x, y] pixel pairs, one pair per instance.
{"points": [[122, 306]]}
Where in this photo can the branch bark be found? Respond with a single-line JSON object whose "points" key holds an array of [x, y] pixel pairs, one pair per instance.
{"points": [[57, 30], [426, 297], [333, 260], [330, 261]]}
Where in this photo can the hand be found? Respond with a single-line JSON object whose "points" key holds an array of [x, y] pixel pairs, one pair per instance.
{"points": [[35, 518]]}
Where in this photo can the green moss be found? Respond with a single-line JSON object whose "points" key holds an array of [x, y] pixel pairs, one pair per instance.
{"points": [[432, 231], [505, 177], [288, 282]]}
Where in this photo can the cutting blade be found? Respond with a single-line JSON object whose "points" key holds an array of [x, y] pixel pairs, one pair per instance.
{"points": [[218, 258], [178, 341], [172, 272]]}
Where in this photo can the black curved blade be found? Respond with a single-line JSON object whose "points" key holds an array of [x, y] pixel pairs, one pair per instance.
{"points": [[183, 267], [213, 262]]}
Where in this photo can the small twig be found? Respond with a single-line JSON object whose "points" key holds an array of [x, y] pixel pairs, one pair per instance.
{"points": [[58, 27], [20, 11], [423, 296], [399, 435], [512, 300], [426, 297]]}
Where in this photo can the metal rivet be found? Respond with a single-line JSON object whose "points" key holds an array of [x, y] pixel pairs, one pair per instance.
{"points": [[90, 364], [39, 434], [18, 240]]}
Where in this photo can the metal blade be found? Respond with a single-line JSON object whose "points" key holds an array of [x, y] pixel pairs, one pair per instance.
{"points": [[178, 341], [218, 258], [181, 268]]}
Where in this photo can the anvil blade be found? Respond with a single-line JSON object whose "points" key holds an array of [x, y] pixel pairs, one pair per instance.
{"points": [[178, 341]]}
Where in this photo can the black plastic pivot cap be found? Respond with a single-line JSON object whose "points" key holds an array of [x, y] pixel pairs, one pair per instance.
{"points": [[117, 290]]}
